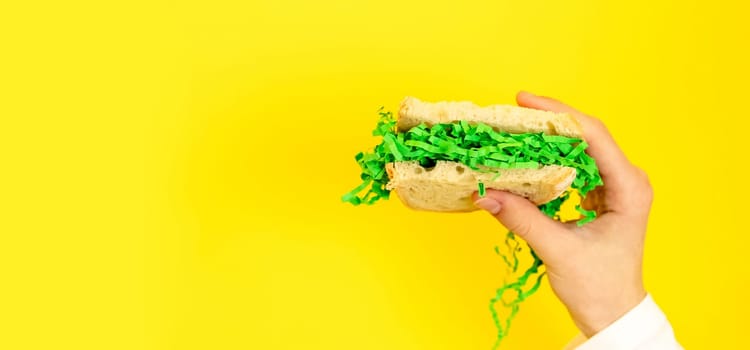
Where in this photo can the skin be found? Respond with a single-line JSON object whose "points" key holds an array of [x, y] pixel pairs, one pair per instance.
{"points": [[595, 270]]}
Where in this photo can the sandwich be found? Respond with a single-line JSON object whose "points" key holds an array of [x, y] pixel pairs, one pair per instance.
{"points": [[436, 155]]}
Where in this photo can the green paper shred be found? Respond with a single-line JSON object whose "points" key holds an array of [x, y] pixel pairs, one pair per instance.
{"points": [[521, 285], [481, 148], [588, 215]]}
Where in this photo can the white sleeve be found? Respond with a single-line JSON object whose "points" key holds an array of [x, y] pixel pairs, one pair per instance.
{"points": [[645, 327]]}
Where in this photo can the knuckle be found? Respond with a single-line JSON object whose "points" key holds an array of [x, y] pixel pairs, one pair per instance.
{"points": [[597, 127], [598, 123], [648, 194], [522, 228], [643, 184]]}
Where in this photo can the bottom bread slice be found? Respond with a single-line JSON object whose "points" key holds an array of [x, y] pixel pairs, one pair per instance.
{"points": [[447, 187]]}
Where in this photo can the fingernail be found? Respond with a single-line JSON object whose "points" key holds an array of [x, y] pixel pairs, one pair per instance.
{"points": [[489, 204]]}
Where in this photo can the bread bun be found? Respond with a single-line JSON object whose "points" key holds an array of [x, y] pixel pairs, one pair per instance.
{"points": [[448, 186]]}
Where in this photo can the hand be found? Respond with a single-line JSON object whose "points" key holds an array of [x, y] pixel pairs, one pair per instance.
{"points": [[595, 270]]}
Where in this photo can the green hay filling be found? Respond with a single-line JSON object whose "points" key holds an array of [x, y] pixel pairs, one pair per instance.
{"points": [[481, 191], [481, 148]]}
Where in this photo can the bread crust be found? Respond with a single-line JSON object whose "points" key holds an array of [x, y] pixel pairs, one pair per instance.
{"points": [[512, 119]]}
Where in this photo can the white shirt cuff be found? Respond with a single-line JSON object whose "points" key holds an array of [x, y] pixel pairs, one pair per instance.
{"points": [[645, 327]]}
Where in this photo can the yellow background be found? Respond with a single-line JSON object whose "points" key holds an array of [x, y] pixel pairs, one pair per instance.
{"points": [[171, 171]]}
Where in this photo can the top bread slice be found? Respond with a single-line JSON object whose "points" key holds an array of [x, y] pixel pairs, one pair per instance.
{"points": [[512, 119], [448, 186]]}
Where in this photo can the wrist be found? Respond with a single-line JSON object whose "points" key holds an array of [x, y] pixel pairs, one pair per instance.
{"points": [[597, 316]]}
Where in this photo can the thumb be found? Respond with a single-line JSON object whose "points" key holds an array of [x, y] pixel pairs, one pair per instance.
{"points": [[523, 218]]}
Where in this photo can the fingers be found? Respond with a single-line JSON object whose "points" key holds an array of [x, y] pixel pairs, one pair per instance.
{"points": [[529, 100], [613, 165], [524, 219]]}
